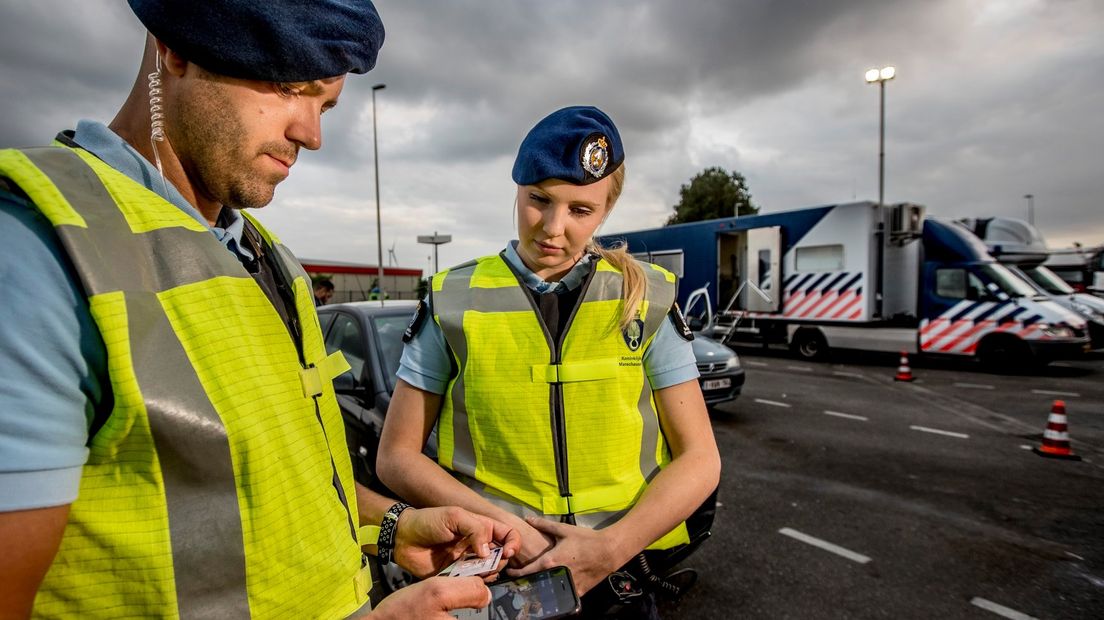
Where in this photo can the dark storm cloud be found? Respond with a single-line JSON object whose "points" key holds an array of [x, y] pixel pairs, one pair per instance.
{"points": [[994, 99]]}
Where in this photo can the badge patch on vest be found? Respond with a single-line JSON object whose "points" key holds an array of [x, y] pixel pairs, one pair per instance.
{"points": [[680, 324], [634, 334], [416, 321]]}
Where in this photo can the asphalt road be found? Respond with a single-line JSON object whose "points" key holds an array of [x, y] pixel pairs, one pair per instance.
{"points": [[845, 494]]}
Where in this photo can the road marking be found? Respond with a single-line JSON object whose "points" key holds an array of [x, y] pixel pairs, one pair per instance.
{"points": [[848, 374], [939, 432], [1074, 555], [1061, 364], [823, 544], [772, 403], [976, 386], [1025, 447], [754, 363], [801, 368], [1000, 610], [1056, 393], [849, 416]]}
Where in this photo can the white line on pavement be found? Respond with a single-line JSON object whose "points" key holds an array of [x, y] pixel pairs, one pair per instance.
{"points": [[754, 363], [939, 432], [1025, 447], [772, 402], [849, 416], [823, 544], [1000, 610], [847, 374], [1056, 393], [976, 386], [801, 368]]}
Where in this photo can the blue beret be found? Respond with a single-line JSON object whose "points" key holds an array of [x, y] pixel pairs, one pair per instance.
{"points": [[270, 40], [579, 144]]}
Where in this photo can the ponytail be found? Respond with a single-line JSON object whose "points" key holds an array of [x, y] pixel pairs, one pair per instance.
{"points": [[634, 283]]}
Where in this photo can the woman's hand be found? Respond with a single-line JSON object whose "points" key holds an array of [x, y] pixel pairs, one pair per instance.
{"points": [[589, 554], [533, 544], [429, 539]]}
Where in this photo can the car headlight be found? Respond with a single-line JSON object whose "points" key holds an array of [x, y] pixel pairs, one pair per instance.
{"points": [[1056, 331], [733, 363], [1083, 310]]}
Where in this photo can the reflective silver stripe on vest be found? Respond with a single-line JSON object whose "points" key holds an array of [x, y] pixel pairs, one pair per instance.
{"points": [[204, 520], [457, 297], [183, 256], [192, 448]]}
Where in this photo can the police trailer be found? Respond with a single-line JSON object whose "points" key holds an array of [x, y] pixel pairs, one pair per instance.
{"points": [[858, 276]]}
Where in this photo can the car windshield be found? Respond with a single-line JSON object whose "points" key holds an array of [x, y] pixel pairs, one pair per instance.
{"points": [[1008, 282], [1050, 281], [390, 330]]}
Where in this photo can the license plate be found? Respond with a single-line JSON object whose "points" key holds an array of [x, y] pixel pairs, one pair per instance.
{"points": [[716, 384]]}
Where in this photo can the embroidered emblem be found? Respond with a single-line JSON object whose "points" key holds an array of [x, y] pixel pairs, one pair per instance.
{"points": [[416, 321], [596, 156], [634, 334], [679, 321]]}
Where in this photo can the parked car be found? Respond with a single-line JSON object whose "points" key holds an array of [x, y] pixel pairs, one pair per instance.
{"points": [[370, 336], [720, 375]]}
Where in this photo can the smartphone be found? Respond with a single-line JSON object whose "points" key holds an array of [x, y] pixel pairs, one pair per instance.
{"points": [[546, 595]]}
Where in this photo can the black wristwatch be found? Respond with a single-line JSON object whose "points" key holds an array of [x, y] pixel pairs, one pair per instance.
{"points": [[385, 546]]}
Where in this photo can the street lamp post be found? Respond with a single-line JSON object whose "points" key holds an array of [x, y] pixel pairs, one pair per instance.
{"points": [[435, 240], [379, 226], [881, 76], [1030, 208]]}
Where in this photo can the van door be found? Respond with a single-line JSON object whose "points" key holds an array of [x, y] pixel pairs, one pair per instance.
{"points": [[763, 264]]}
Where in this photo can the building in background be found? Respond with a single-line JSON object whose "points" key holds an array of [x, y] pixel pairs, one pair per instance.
{"points": [[356, 281]]}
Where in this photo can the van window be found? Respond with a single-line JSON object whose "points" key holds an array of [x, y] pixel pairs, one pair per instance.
{"points": [[950, 283], [670, 260], [819, 258], [764, 270]]}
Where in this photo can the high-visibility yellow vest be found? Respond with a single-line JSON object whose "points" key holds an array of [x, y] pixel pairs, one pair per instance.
{"points": [[544, 428], [220, 484]]}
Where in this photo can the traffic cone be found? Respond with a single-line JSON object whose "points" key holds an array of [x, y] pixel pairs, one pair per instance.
{"points": [[904, 373], [1056, 442]]}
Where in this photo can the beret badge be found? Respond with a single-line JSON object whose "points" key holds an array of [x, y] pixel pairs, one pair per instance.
{"points": [[595, 155]]}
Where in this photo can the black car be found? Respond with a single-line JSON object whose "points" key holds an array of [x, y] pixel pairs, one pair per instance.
{"points": [[370, 336]]}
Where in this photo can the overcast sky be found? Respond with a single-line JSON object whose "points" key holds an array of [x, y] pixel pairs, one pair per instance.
{"points": [[993, 99]]}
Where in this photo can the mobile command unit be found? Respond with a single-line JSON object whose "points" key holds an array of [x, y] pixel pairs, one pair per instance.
{"points": [[858, 276]]}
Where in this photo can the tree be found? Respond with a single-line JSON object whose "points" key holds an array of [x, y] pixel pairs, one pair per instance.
{"points": [[711, 194]]}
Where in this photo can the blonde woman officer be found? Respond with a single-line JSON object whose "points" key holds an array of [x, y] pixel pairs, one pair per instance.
{"points": [[560, 377]]}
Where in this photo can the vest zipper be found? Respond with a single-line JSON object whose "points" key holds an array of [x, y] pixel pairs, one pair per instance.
{"points": [[557, 413]]}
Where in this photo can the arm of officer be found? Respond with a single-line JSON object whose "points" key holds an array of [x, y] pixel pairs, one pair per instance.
{"points": [[29, 540], [428, 539], [402, 466], [669, 499]]}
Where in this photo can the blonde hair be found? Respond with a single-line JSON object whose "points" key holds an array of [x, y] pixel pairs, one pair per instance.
{"points": [[634, 283]]}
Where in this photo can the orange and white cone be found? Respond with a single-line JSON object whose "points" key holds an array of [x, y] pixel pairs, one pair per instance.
{"points": [[904, 373], [1056, 442]]}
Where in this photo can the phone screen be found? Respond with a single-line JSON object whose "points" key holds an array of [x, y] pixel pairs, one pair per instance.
{"points": [[541, 596]]}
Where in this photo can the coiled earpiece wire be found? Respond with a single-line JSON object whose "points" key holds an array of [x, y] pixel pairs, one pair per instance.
{"points": [[157, 120]]}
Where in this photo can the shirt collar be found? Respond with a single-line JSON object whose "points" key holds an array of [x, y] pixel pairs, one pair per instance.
{"points": [[110, 148], [569, 282]]}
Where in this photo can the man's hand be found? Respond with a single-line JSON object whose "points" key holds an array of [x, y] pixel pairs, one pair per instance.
{"points": [[429, 539], [432, 599]]}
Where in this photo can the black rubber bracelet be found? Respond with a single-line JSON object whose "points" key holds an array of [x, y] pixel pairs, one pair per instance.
{"points": [[385, 546]]}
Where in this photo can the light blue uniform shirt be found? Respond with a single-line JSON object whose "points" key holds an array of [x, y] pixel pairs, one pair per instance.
{"points": [[426, 364], [53, 366]]}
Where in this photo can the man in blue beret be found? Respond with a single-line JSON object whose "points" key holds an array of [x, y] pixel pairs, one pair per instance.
{"points": [[170, 443]]}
